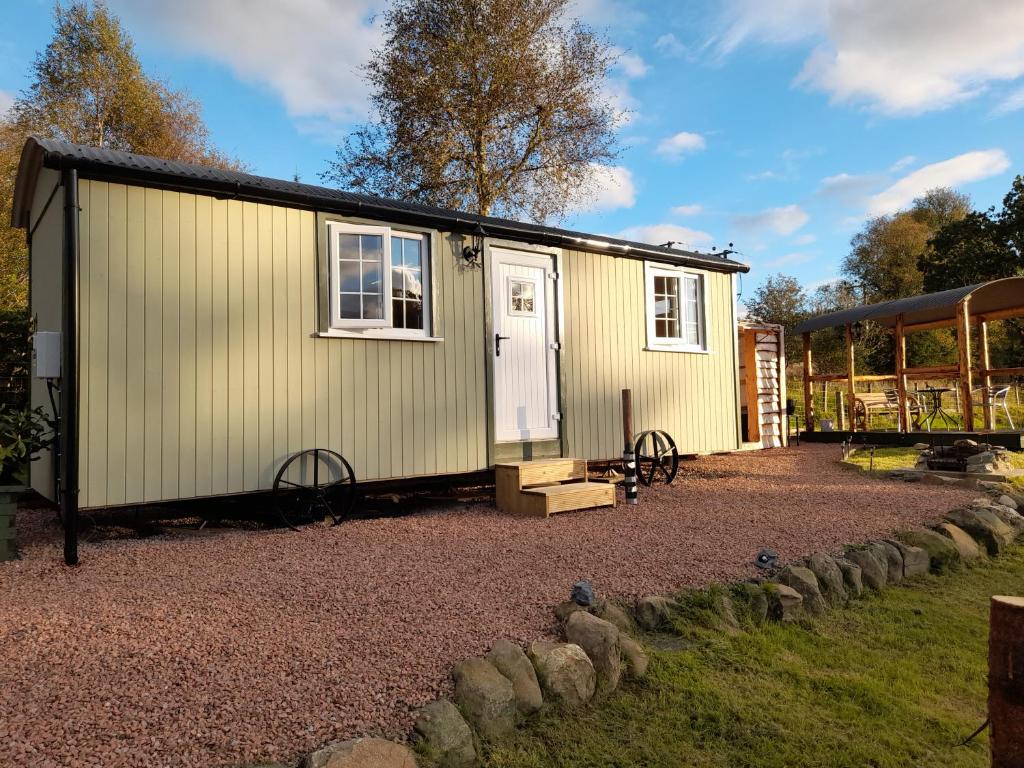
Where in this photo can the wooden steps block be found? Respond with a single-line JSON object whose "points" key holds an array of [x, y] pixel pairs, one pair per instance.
{"points": [[552, 499], [547, 486]]}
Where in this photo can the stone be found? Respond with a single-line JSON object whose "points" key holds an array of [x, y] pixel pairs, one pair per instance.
{"points": [[943, 555], [965, 442], [446, 735], [981, 469], [784, 603], [1008, 515], [511, 660], [872, 566], [565, 672], [1006, 501], [614, 614], [853, 578], [921, 446], [486, 698], [654, 612], [361, 753], [985, 457], [564, 610], [916, 561], [830, 578], [805, 582], [583, 593], [634, 656], [984, 527], [893, 561], [599, 639], [965, 545]]}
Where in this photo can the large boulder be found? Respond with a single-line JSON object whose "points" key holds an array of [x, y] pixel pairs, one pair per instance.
{"points": [[984, 527], [361, 753], [509, 659], [486, 697], [893, 560], [614, 614], [853, 578], [634, 657], [916, 561], [565, 671], [964, 543], [872, 566], [784, 603], [654, 612], [446, 735], [1010, 516], [1008, 501], [829, 576], [805, 582], [942, 553], [564, 610], [599, 639]]}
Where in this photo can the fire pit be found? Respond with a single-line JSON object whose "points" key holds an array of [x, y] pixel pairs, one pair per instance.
{"points": [[965, 456]]}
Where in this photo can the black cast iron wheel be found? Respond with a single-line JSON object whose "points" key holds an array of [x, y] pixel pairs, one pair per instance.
{"points": [[313, 485], [656, 457]]}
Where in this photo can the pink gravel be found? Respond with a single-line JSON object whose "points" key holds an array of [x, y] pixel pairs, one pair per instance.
{"points": [[216, 650]]}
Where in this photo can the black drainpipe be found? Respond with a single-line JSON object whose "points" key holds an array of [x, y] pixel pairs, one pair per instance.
{"points": [[69, 371]]}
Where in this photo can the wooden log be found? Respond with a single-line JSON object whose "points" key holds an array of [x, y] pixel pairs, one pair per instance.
{"points": [[1006, 681]]}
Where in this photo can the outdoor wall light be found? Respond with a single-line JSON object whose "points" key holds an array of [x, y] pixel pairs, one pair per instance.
{"points": [[471, 253]]}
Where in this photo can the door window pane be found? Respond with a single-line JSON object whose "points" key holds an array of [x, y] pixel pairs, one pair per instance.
{"points": [[522, 297]]}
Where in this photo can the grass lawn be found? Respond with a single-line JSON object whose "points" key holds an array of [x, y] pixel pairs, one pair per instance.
{"points": [[893, 680]]}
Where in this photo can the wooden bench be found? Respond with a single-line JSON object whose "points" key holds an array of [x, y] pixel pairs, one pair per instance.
{"points": [[870, 403]]}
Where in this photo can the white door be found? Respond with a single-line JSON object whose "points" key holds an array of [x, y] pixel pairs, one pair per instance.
{"points": [[525, 367]]}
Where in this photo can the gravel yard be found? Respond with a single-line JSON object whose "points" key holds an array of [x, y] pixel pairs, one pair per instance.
{"points": [[227, 648]]}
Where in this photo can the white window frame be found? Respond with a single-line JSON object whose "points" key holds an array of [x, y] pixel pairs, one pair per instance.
{"points": [[384, 327], [654, 342]]}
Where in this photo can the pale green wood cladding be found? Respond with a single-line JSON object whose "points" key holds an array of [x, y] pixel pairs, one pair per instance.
{"points": [[200, 372], [690, 395]]}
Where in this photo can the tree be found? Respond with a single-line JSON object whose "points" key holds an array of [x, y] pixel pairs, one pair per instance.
{"points": [[492, 106], [780, 299], [88, 87]]}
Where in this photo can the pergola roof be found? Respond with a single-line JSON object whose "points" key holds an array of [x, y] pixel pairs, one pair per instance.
{"points": [[995, 296]]}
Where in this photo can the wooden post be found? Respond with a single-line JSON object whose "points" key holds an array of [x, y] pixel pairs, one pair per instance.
{"points": [[840, 411], [751, 387], [808, 391], [963, 340], [851, 380], [628, 459], [901, 377], [1006, 681], [986, 380]]}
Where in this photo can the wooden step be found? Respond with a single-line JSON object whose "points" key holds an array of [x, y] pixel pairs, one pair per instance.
{"points": [[551, 499]]}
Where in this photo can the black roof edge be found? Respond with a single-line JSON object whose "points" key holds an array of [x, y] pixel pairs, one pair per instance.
{"points": [[242, 186]]}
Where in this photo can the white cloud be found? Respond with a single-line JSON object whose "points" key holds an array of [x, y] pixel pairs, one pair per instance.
{"points": [[680, 144], [790, 259], [670, 45], [612, 188], [901, 57], [308, 52], [688, 210], [1012, 102], [805, 239], [851, 189], [6, 100], [658, 234], [903, 162], [968, 167], [763, 176], [782, 221], [630, 64]]}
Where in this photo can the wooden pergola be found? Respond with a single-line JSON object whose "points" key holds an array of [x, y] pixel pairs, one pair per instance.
{"points": [[960, 308]]}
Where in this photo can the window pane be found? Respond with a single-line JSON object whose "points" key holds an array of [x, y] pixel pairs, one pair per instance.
{"points": [[411, 248], [348, 247], [691, 289], [692, 334], [666, 307], [659, 284], [397, 314], [672, 329], [413, 284], [373, 247], [413, 314], [371, 277], [373, 308], [349, 306], [348, 276], [396, 251], [398, 282]]}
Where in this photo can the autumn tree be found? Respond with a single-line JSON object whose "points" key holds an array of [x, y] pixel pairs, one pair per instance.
{"points": [[780, 299], [89, 87], [491, 106]]}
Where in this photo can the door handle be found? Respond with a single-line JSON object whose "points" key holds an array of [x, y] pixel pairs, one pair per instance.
{"points": [[498, 338]]}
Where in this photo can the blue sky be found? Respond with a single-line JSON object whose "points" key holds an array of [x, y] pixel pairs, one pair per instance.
{"points": [[777, 126]]}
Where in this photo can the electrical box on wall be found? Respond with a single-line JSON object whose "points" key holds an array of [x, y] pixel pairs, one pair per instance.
{"points": [[46, 353]]}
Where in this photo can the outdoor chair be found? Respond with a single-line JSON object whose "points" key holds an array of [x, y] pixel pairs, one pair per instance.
{"points": [[996, 399]]}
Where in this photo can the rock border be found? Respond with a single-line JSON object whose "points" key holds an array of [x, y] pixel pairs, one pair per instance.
{"points": [[496, 693]]}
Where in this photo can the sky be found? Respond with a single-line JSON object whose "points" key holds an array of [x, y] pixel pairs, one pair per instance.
{"points": [[779, 126]]}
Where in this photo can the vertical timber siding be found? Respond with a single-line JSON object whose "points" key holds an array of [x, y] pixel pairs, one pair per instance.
{"points": [[200, 371], [691, 396]]}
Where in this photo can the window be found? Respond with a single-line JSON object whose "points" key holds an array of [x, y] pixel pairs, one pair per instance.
{"points": [[522, 296], [379, 281], [675, 309]]}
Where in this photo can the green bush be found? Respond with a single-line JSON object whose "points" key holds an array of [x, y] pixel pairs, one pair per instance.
{"points": [[23, 434]]}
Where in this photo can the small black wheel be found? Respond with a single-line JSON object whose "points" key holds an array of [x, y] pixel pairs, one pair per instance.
{"points": [[314, 484], [656, 455]]}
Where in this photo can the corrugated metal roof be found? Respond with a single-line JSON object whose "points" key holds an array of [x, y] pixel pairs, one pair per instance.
{"points": [[995, 295], [144, 170]]}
